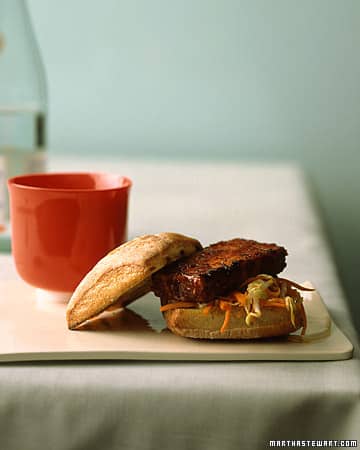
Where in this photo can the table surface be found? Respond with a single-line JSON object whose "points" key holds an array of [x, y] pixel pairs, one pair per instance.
{"points": [[212, 405]]}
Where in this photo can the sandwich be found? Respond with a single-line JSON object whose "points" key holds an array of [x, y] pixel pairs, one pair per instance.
{"points": [[228, 290]]}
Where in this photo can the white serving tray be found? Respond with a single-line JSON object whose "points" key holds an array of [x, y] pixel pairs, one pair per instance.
{"points": [[34, 331]]}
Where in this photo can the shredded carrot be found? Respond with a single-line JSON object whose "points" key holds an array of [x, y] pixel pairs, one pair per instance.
{"points": [[178, 305], [274, 300], [240, 297], [277, 302], [225, 306], [226, 321], [207, 308], [273, 304]]}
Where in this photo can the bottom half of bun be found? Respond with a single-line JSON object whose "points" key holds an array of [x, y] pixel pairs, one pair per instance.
{"points": [[194, 323]]}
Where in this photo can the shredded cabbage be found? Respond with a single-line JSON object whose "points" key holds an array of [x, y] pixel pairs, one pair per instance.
{"points": [[264, 287]]}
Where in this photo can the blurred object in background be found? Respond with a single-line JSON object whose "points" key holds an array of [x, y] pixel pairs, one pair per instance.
{"points": [[23, 100]]}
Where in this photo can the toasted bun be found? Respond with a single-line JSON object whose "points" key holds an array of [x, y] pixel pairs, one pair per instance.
{"points": [[124, 274], [193, 323]]}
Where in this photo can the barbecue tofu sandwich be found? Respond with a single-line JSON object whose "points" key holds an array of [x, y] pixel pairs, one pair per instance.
{"points": [[230, 290]]}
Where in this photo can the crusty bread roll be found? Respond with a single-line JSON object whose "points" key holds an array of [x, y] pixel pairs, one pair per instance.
{"points": [[193, 323], [124, 274]]}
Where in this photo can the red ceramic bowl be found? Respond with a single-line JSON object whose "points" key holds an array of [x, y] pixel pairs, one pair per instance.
{"points": [[63, 223]]}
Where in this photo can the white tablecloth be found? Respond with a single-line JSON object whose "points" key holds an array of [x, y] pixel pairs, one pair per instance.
{"points": [[178, 405]]}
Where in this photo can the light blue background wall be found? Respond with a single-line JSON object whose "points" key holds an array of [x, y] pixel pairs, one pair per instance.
{"points": [[256, 79]]}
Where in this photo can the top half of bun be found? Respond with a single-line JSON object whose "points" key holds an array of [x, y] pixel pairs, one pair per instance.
{"points": [[125, 274]]}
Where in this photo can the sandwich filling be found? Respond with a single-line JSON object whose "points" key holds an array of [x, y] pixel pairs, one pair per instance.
{"points": [[254, 295], [232, 279]]}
